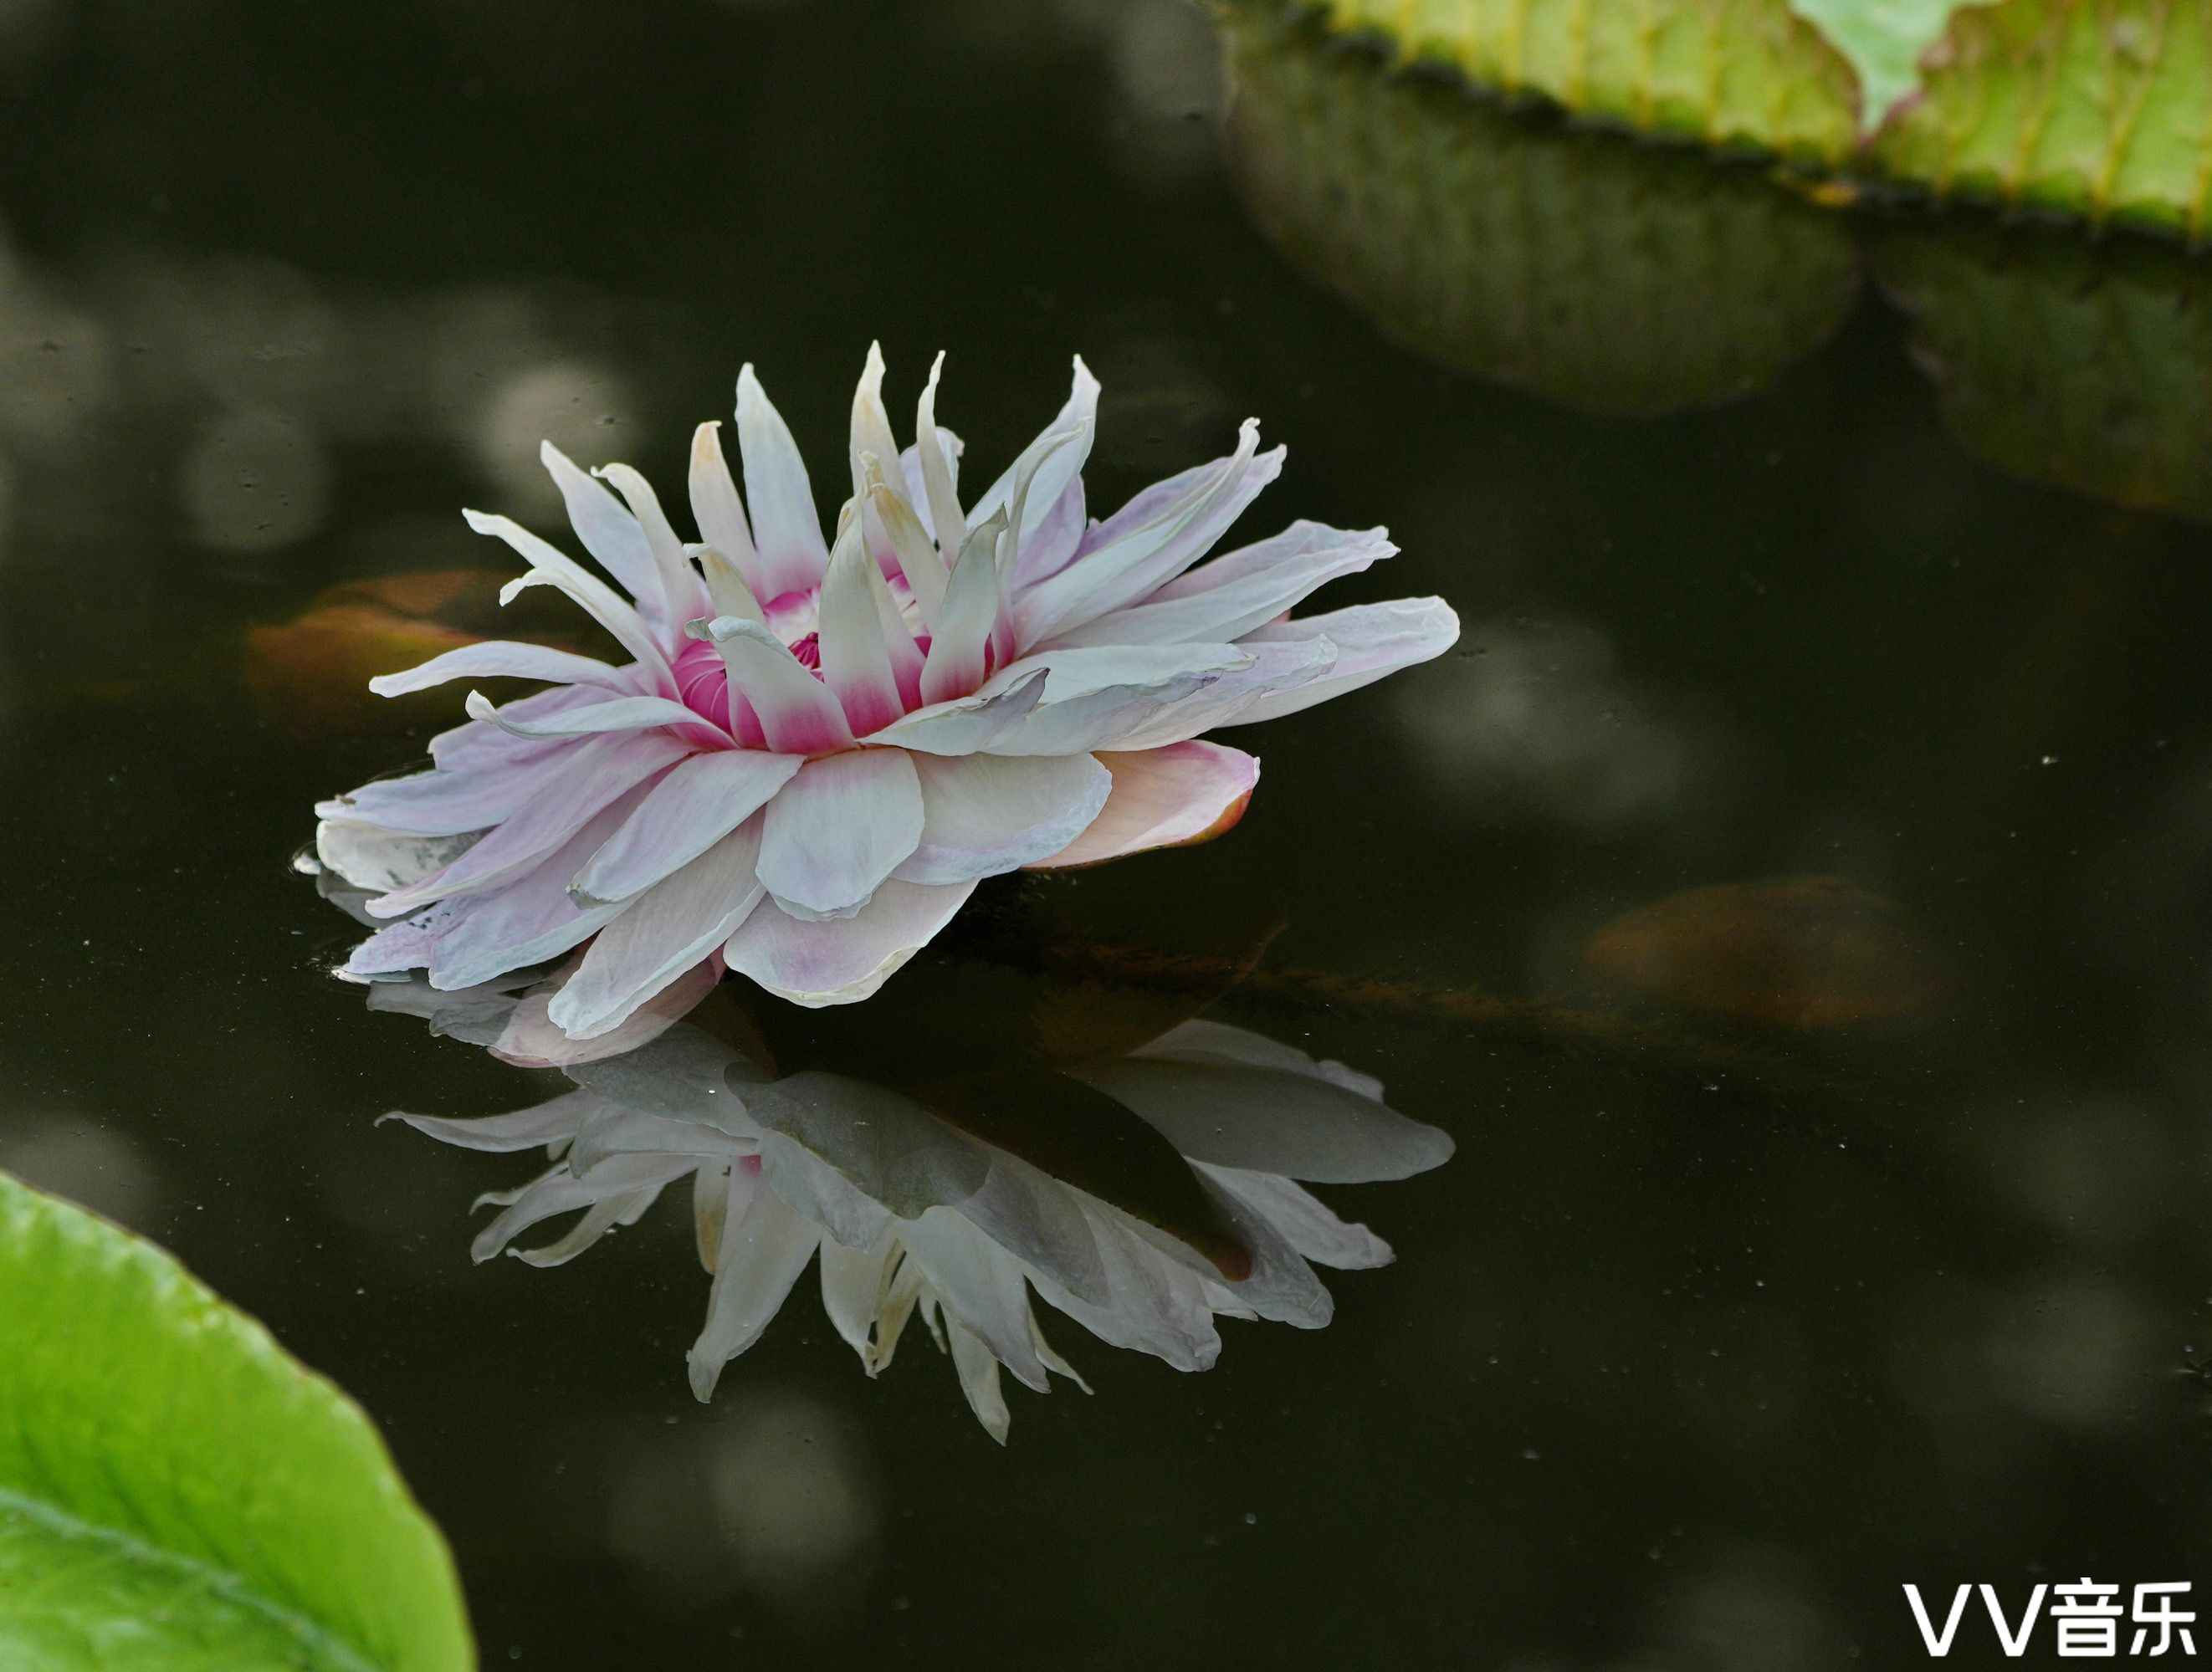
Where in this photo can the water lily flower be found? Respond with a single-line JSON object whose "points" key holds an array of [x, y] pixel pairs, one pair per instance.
{"points": [[1142, 1197], [816, 747]]}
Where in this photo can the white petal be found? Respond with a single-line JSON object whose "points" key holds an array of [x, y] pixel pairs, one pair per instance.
{"points": [[786, 531], [938, 456], [1162, 798], [501, 658], [701, 801], [681, 595], [716, 506], [918, 558], [841, 962], [764, 1247], [667, 931], [551, 567], [1266, 1120], [610, 533], [959, 651], [1241, 590], [985, 814], [872, 424], [1304, 1221], [969, 724], [531, 1039], [979, 1379], [524, 1128], [1372, 641], [1276, 670], [622, 714], [841, 826], [852, 1286], [370, 857]]}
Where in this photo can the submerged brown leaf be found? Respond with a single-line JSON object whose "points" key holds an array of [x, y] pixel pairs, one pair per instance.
{"points": [[310, 675], [1800, 953]]}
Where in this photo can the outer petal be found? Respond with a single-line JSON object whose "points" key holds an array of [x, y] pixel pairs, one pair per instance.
{"points": [[1239, 591], [817, 964], [531, 1039], [1275, 668], [671, 928], [984, 814], [595, 772], [839, 829], [700, 802], [1372, 641], [969, 724], [786, 529], [501, 658], [609, 532], [1164, 797], [551, 567], [370, 857]]}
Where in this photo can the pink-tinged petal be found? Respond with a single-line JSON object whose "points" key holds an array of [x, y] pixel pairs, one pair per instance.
{"points": [[845, 961], [682, 599], [699, 803], [622, 714], [1276, 668], [872, 424], [444, 802], [1164, 797], [400, 946], [936, 471], [551, 567], [501, 658], [670, 927], [798, 714], [907, 657], [1128, 569], [597, 773], [1053, 541], [608, 533], [839, 828], [959, 651], [1372, 641], [985, 814], [1240, 590], [533, 918], [969, 724], [1093, 697], [856, 664], [786, 531], [370, 857], [716, 506], [728, 592], [473, 744], [532, 1040]]}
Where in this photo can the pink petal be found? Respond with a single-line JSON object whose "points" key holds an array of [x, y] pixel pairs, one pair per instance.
{"points": [[856, 665], [798, 714], [1164, 797]]}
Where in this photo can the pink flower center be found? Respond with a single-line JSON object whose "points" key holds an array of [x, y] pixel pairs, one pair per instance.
{"points": [[702, 683]]}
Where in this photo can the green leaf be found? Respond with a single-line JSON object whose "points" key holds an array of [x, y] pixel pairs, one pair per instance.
{"points": [[1883, 40], [177, 1493], [1727, 72], [2101, 109], [1607, 277], [2087, 365]]}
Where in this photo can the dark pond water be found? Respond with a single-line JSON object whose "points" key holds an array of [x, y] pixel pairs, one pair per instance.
{"points": [[1834, 1226]]}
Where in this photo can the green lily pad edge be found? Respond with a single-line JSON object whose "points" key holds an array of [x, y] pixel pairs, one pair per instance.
{"points": [[2093, 110], [177, 1493]]}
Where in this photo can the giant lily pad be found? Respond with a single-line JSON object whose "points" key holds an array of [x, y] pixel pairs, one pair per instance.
{"points": [[177, 1493], [2101, 108], [1605, 275], [2084, 365]]}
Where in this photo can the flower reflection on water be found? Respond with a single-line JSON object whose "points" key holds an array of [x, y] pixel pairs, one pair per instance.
{"points": [[1142, 1195]]}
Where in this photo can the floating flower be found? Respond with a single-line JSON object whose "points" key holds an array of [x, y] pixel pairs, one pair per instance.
{"points": [[1142, 1197], [816, 749]]}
